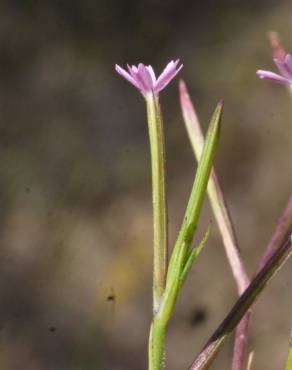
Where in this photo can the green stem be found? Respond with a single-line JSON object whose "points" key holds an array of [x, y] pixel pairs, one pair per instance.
{"points": [[156, 345], [155, 126]]}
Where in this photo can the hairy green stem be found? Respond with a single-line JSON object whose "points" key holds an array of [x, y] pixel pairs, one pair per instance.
{"points": [[156, 345]]}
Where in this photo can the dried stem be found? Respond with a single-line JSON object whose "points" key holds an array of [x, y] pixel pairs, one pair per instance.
{"points": [[280, 234], [273, 265]]}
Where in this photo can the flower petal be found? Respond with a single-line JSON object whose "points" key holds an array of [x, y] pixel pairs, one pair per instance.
{"points": [[145, 76], [167, 75], [152, 74], [285, 67], [267, 75], [126, 75], [135, 74], [288, 61]]}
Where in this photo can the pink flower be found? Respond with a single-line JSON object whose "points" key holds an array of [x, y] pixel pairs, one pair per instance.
{"points": [[144, 79], [285, 68]]}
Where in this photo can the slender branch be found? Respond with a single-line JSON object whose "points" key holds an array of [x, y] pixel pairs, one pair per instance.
{"points": [[282, 229], [240, 341]]}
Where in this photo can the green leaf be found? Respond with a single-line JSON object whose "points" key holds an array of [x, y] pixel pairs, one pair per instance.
{"points": [[193, 255], [198, 192], [181, 252], [216, 196], [172, 290]]}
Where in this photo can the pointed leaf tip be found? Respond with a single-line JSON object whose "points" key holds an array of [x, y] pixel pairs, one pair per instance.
{"points": [[217, 115], [194, 254], [183, 93], [221, 103], [187, 107]]}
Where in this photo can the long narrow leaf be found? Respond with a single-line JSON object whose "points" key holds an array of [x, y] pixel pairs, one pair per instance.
{"points": [[276, 261], [195, 202], [215, 193], [193, 255], [190, 221]]}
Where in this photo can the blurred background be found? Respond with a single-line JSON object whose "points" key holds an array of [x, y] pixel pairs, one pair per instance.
{"points": [[75, 255]]}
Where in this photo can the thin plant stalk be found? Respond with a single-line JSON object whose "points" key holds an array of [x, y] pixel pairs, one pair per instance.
{"points": [[281, 232], [159, 199], [224, 222], [160, 229]]}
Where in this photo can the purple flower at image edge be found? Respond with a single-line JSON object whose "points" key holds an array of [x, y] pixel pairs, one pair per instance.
{"points": [[144, 79], [285, 68]]}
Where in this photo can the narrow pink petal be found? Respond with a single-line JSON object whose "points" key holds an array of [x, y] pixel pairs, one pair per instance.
{"points": [[133, 68], [267, 75], [284, 67], [142, 77], [134, 73], [152, 74], [168, 69], [288, 61], [167, 75], [145, 76], [126, 75]]}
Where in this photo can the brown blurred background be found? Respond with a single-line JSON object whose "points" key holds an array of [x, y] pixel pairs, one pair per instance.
{"points": [[75, 256]]}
